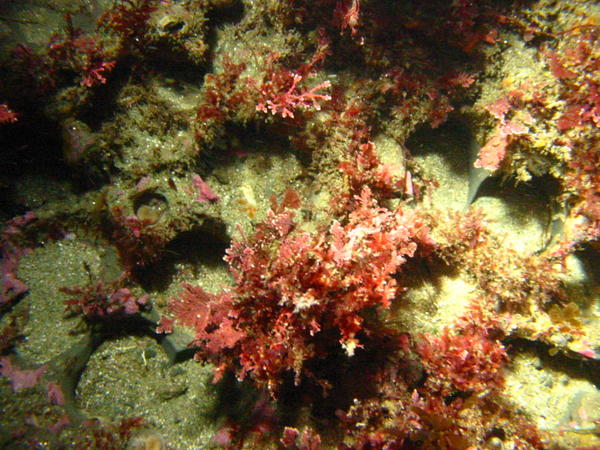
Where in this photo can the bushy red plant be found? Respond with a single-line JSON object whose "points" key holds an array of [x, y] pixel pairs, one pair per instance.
{"points": [[465, 360], [101, 300], [385, 180], [281, 94], [457, 403], [223, 93], [71, 53], [138, 241], [6, 114], [577, 57], [129, 19], [295, 290], [582, 179], [308, 439]]}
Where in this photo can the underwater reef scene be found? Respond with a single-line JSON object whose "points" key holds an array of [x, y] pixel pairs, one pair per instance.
{"points": [[300, 224]]}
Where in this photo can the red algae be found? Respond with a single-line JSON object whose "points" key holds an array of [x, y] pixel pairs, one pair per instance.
{"points": [[242, 224]]}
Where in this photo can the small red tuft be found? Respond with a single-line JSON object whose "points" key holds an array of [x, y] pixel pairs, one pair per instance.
{"points": [[20, 379], [205, 193], [6, 114]]}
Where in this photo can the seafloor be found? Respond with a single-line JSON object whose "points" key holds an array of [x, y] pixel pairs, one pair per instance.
{"points": [[302, 224]]}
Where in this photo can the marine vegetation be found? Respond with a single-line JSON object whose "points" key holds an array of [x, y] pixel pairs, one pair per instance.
{"points": [[300, 224]]}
